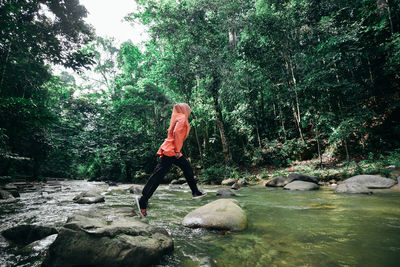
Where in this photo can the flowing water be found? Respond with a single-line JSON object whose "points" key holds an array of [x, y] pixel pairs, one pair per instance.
{"points": [[285, 228]]}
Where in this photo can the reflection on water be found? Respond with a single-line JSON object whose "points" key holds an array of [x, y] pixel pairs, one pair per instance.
{"points": [[316, 228]]}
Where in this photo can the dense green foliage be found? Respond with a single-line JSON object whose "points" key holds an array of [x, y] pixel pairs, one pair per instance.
{"points": [[268, 82], [34, 33]]}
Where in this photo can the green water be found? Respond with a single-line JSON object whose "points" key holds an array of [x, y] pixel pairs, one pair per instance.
{"points": [[317, 228]]}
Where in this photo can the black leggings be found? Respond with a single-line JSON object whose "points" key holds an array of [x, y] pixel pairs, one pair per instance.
{"points": [[159, 173]]}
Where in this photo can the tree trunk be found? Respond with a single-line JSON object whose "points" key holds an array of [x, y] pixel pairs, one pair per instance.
{"points": [[296, 110], [199, 146], [319, 150], [297, 122], [281, 116], [225, 146], [347, 149], [5, 66], [128, 171], [258, 137]]}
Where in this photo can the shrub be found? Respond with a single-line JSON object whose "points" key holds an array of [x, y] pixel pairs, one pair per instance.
{"points": [[219, 173]]}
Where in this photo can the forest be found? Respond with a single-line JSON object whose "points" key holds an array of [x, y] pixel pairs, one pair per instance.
{"points": [[269, 82]]}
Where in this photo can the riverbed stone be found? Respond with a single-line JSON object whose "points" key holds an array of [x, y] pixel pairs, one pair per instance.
{"points": [[39, 246], [89, 198], [235, 186], [6, 195], [371, 181], [88, 239], [10, 186], [136, 189], [13, 192], [27, 233], [224, 192], [352, 188], [277, 182], [302, 177], [301, 186], [396, 187], [228, 182], [221, 214], [394, 173], [178, 181], [242, 182]]}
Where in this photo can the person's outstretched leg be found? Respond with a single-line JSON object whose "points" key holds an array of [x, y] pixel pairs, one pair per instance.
{"points": [[188, 173], [155, 179]]}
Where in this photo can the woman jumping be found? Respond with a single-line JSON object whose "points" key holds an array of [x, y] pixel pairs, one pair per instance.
{"points": [[170, 153]]}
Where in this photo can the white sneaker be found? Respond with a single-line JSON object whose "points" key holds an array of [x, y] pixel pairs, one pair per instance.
{"points": [[142, 212], [199, 196]]}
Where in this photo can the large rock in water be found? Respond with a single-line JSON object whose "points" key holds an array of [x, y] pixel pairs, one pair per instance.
{"points": [[222, 214], [352, 188], [27, 233], [228, 182], [396, 187], [277, 182], [224, 192], [301, 177], [5, 195], [371, 181], [136, 189], [12, 189], [301, 186], [108, 238], [89, 198], [178, 181]]}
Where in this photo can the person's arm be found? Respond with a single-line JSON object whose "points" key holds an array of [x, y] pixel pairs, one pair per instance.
{"points": [[179, 134]]}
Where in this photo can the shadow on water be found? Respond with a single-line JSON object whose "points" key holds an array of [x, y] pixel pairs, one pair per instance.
{"points": [[317, 228]]}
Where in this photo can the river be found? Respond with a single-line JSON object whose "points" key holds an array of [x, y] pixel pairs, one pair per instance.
{"points": [[285, 228]]}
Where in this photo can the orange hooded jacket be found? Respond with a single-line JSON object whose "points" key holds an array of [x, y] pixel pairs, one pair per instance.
{"points": [[178, 131]]}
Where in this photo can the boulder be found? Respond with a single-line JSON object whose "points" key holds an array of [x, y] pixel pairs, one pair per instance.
{"points": [[5, 195], [222, 214], [371, 181], [301, 186], [12, 189], [136, 189], [25, 234], [178, 181], [10, 186], [88, 198], [396, 187], [301, 177], [277, 182], [395, 172], [235, 186], [14, 193], [224, 192], [352, 188], [242, 182], [40, 246], [228, 182], [108, 238]]}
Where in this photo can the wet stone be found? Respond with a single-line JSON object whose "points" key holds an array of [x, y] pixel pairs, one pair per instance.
{"points": [[25, 234], [114, 237], [224, 192], [222, 214]]}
